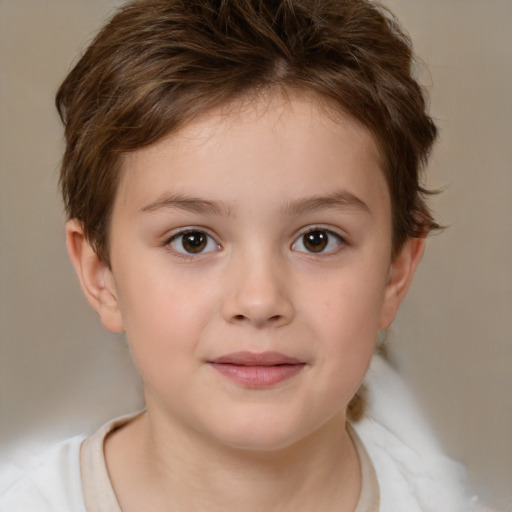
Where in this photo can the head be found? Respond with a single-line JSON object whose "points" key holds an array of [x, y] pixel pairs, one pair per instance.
{"points": [[159, 64], [164, 73]]}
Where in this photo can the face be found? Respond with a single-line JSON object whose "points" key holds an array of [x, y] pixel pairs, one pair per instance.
{"points": [[251, 270]]}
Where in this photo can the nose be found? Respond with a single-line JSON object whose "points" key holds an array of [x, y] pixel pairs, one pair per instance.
{"points": [[258, 294]]}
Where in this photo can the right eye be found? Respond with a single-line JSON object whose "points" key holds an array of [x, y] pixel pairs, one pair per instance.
{"points": [[193, 242]]}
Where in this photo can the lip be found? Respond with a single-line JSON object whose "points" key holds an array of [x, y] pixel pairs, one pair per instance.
{"points": [[257, 369]]}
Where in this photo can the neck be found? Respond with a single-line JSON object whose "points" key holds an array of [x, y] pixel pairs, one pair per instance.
{"points": [[181, 470]]}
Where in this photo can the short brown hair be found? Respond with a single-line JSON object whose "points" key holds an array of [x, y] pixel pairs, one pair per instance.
{"points": [[159, 63]]}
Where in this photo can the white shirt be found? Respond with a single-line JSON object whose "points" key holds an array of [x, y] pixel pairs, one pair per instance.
{"points": [[411, 473]]}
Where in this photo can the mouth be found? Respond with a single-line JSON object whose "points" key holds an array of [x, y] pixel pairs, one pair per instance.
{"points": [[257, 370]]}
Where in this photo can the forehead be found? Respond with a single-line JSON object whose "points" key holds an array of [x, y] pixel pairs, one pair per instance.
{"points": [[289, 144]]}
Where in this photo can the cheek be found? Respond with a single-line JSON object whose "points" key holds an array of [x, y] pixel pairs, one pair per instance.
{"points": [[346, 313], [164, 319], [348, 302]]}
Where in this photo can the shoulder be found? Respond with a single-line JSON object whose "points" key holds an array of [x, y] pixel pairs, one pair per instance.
{"points": [[413, 473], [409, 480], [50, 483]]}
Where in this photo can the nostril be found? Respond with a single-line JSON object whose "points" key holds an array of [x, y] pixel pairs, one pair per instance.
{"points": [[272, 319]]}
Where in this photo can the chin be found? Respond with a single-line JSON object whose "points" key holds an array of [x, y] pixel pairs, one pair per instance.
{"points": [[263, 441], [255, 434]]}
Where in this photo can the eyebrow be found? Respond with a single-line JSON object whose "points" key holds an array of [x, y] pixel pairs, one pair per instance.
{"points": [[190, 204], [341, 200]]}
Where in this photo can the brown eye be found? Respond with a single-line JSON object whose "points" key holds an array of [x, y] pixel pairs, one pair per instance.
{"points": [[193, 242], [315, 241], [318, 241]]}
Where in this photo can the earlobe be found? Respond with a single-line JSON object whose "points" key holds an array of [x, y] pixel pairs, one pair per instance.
{"points": [[400, 276], [95, 277]]}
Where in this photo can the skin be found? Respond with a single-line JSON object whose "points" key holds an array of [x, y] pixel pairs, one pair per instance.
{"points": [[261, 174]]}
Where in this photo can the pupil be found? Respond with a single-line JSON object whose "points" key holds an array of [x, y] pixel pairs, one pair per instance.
{"points": [[194, 242], [315, 241]]}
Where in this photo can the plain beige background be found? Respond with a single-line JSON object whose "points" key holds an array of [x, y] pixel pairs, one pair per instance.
{"points": [[60, 373]]}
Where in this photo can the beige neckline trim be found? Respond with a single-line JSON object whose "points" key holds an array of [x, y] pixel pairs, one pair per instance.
{"points": [[99, 495], [369, 500]]}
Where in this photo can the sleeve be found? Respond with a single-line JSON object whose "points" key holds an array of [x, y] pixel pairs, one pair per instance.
{"points": [[50, 484], [413, 473]]}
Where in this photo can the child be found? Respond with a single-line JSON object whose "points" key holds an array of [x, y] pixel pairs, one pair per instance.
{"points": [[242, 184]]}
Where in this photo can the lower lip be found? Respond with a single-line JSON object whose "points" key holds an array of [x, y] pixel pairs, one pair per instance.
{"points": [[258, 376]]}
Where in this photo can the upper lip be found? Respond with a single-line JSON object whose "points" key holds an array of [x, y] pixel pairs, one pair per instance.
{"points": [[256, 359]]}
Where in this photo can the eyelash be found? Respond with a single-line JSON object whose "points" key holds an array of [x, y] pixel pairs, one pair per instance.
{"points": [[209, 241], [190, 254], [331, 236]]}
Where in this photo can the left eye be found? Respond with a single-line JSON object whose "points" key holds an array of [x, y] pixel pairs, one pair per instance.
{"points": [[193, 242], [318, 241]]}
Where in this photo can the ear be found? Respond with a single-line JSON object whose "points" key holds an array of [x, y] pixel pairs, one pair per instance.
{"points": [[400, 276], [95, 277]]}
